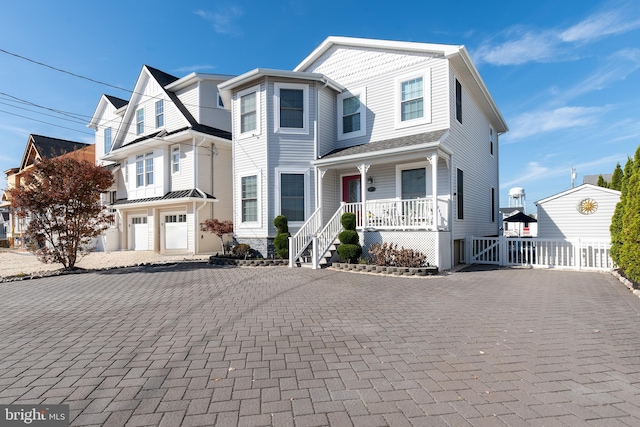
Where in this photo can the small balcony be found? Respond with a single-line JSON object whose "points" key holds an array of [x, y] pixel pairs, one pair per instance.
{"points": [[399, 214]]}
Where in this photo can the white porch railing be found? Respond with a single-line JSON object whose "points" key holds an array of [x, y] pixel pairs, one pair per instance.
{"points": [[398, 214], [327, 236], [301, 240], [572, 254]]}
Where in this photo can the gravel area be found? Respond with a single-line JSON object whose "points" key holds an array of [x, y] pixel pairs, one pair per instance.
{"points": [[22, 263]]}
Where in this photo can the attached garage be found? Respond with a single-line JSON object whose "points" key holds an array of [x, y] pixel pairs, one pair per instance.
{"points": [[175, 231], [139, 233]]}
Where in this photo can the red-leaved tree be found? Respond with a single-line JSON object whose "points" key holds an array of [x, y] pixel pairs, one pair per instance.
{"points": [[219, 228], [61, 198]]}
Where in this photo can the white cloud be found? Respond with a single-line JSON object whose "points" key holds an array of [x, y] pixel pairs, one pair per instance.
{"points": [[223, 20], [532, 172], [554, 44], [598, 26], [17, 130], [535, 122]]}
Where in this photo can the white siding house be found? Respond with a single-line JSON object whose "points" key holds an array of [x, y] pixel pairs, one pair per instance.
{"points": [[169, 147], [583, 212], [405, 135]]}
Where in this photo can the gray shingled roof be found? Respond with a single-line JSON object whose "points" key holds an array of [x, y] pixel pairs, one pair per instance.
{"points": [[388, 144], [193, 193], [53, 147]]}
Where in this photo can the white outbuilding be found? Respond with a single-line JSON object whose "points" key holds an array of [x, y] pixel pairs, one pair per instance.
{"points": [[583, 212]]}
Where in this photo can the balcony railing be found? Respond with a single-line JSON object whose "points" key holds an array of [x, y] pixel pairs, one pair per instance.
{"points": [[398, 214]]}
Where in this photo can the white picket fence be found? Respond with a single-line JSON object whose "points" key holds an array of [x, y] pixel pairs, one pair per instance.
{"points": [[570, 254]]}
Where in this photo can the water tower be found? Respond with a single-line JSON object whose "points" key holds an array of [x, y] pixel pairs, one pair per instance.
{"points": [[517, 198]]}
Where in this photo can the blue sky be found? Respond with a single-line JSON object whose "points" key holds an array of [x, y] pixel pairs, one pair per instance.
{"points": [[565, 74]]}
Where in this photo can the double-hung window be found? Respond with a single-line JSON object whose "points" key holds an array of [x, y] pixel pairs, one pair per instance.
{"points": [[249, 195], [175, 159], [413, 94], [351, 114], [107, 140], [291, 107], [292, 196], [140, 121], [248, 112], [139, 170], [159, 113], [148, 168], [248, 108]]}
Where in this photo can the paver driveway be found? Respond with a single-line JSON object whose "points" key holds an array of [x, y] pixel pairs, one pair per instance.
{"points": [[197, 345]]}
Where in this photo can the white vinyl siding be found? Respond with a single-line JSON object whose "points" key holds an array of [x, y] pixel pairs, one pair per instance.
{"points": [[559, 218], [327, 122]]}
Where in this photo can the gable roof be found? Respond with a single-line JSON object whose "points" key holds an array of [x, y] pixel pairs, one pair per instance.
{"points": [[520, 217], [46, 147], [457, 55], [578, 188], [116, 102]]}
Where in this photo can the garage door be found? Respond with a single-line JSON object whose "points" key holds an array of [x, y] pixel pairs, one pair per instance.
{"points": [[140, 233], [175, 231]]}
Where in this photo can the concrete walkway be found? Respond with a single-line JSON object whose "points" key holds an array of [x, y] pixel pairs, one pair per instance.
{"points": [[194, 345]]}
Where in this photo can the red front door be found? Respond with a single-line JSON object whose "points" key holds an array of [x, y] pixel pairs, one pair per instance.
{"points": [[351, 190]]}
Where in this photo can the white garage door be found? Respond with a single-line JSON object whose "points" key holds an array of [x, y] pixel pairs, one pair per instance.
{"points": [[140, 233], [175, 231]]}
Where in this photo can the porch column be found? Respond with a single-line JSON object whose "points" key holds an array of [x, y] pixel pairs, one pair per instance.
{"points": [[363, 168], [433, 159], [319, 178]]}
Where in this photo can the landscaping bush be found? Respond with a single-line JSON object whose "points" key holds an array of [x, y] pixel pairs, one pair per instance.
{"points": [[388, 254], [349, 249], [281, 242]]}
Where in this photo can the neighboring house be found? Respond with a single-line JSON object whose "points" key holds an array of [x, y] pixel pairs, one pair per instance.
{"points": [[519, 224], [38, 147], [169, 147], [405, 135], [593, 179], [4, 225], [583, 212]]}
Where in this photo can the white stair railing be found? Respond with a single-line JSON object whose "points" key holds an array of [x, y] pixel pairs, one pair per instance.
{"points": [[327, 236], [300, 241]]}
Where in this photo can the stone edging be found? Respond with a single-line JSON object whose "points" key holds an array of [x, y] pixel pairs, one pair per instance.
{"points": [[393, 271], [248, 262], [628, 283]]}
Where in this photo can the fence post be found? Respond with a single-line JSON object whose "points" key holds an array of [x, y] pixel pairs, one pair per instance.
{"points": [[468, 242], [314, 252], [502, 244], [291, 252]]}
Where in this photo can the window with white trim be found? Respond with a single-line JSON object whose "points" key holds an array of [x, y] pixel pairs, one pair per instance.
{"points": [[249, 198], [292, 196], [413, 97], [159, 113], [458, 101], [459, 194], [248, 109], [140, 121], [291, 107], [139, 170], [175, 159], [352, 114], [107, 140], [175, 218], [148, 161]]}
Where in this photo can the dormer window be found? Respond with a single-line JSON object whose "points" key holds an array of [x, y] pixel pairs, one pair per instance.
{"points": [[140, 121]]}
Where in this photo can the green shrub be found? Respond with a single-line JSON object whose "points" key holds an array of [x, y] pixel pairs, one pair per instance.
{"points": [[349, 249], [348, 221], [349, 253], [281, 242], [349, 237]]}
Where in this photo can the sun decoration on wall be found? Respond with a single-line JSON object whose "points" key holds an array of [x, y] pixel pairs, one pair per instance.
{"points": [[587, 206]]}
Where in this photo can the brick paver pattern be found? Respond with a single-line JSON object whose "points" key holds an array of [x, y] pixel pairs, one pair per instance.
{"points": [[195, 345]]}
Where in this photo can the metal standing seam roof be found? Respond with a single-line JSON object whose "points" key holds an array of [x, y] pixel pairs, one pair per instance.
{"points": [[387, 144], [182, 194]]}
